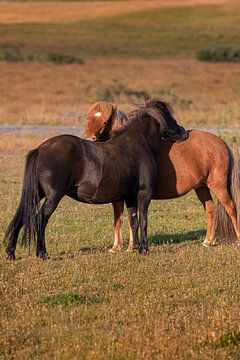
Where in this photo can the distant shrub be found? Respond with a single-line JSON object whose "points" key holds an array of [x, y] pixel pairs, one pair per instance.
{"points": [[220, 54], [15, 55], [60, 58], [115, 90], [8, 56]]}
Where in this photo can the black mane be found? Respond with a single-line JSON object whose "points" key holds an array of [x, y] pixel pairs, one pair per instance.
{"points": [[155, 108]]}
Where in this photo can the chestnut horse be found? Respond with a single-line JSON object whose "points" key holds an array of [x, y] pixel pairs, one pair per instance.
{"points": [[123, 168], [203, 162]]}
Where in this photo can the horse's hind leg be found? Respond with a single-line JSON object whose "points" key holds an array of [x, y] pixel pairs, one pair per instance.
{"points": [[204, 195], [226, 200], [118, 207], [130, 244], [144, 199], [47, 209]]}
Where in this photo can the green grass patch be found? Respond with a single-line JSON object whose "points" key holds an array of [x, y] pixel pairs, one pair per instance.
{"points": [[231, 338], [220, 54], [66, 299], [148, 34]]}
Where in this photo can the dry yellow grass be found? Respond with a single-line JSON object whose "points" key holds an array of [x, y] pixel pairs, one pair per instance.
{"points": [[43, 12], [202, 94], [180, 302]]}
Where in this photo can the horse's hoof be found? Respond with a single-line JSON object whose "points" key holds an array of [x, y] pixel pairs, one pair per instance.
{"points": [[44, 256], [114, 250], [208, 243], [205, 244], [143, 250], [237, 243], [10, 256], [130, 250]]}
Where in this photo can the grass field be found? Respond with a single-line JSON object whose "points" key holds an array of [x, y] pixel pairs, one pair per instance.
{"points": [[113, 36], [125, 45], [61, 94], [180, 302]]}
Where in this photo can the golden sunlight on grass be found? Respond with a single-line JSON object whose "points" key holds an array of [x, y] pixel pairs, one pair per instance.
{"points": [[181, 301], [202, 94], [43, 12]]}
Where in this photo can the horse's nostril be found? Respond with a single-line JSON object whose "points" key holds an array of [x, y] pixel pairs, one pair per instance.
{"points": [[94, 138]]}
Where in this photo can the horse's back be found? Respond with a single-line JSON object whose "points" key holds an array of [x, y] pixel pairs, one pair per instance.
{"points": [[59, 149], [202, 150], [91, 172]]}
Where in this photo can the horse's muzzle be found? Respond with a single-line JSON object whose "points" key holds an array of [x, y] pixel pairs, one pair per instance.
{"points": [[184, 133], [90, 138], [181, 134]]}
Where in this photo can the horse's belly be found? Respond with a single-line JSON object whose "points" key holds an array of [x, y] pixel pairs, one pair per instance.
{"points": [[92, 194], [86, 192], [175, 181], [110, 193]]}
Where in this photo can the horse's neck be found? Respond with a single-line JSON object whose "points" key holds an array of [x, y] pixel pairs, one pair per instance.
{"points": [[146, 130], [150, 130]]}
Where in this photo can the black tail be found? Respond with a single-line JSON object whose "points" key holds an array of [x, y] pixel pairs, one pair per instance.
{"points": [[224, 230], [27, 212]]}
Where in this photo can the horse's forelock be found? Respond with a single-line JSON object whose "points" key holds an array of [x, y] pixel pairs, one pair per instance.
{"points": [[103, 107]]}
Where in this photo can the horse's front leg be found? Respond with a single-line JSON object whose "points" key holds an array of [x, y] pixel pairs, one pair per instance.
{"points": [[118, 207], [133, 222], [144, 199]]}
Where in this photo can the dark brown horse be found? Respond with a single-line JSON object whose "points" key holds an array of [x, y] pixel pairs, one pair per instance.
{"points": [[203, 162], [123, 168]]}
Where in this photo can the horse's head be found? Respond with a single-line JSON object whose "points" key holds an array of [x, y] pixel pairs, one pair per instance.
{"points": [[99, 120], [162, 113]]}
